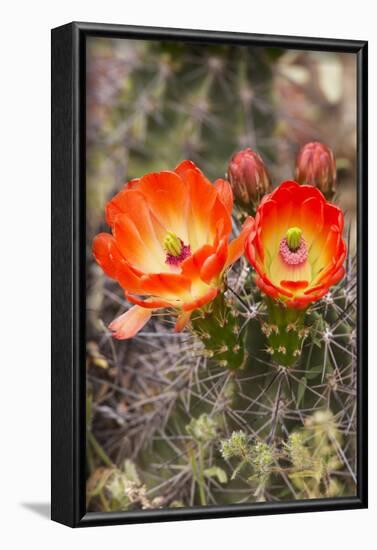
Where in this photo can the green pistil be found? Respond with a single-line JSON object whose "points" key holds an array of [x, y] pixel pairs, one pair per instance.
{"points": [[293, 237]]}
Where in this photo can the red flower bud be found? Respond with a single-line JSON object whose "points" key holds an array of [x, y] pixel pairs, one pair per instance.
{"points": [[315, 166], [248, 178]]}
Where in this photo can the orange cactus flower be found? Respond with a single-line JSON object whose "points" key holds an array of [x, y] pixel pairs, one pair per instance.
{"points": [[296, 246], [169, 244]]}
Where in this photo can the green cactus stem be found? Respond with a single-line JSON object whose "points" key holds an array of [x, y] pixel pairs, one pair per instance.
{"points": [[218, 327], [285, 331]]}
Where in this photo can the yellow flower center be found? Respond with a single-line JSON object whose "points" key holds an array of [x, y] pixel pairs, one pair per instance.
{"points": [[293, 237], [176, 249], [172, 244]]}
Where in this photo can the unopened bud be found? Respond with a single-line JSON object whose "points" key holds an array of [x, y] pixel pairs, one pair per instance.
{"points": [[315, 166], [248, 178]]}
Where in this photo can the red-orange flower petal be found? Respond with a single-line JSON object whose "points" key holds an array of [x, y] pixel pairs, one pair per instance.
{"points": [[191, 266], [202, 197], [101, 250], [294, 285], [129, 323], [237, 247], [167, 285], [225, 194], [167, 197], [182, 321], [200, 302], [214, 264], [148, 304]]}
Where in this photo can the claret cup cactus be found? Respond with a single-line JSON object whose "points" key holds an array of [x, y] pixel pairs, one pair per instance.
{"points": [[252, 329], [170, 248]]}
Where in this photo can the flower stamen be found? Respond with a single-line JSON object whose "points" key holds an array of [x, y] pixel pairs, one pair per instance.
{"points": [[293, 249], [176, 250]]}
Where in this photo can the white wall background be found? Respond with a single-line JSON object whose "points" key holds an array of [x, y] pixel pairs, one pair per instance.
{"points": [[25, 273]]}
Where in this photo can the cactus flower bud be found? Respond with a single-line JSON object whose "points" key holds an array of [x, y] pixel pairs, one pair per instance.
{"points": [[316, 166], [248, 178]]}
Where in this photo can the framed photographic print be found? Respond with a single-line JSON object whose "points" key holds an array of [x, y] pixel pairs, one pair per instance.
{"points": [[209, 274]]}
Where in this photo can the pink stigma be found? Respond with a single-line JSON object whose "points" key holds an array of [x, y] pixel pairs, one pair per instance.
{"points": [[176, 260], [296, 257]]}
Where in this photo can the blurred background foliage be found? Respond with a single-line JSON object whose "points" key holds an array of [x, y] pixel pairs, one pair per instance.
{"points": [[151, 104], [158, 415]]}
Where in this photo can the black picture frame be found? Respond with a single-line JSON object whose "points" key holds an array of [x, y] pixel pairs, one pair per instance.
{"points": [[68, 273]]}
